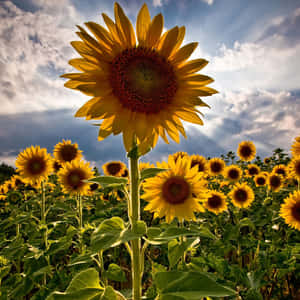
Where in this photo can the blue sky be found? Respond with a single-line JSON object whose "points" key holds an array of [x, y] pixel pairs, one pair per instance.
{"points": [[253, 48]]}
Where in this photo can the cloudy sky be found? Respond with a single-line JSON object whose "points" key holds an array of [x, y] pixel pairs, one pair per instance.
{"points": [[253, 48]]}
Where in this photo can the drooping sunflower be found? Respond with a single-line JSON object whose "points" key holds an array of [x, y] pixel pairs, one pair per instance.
{"points": [[281, 170], [295, 149], [260, 180], [252, 170], [66, 151], [176, 192], [294, 167], [199, 161], [216, 166], [72, 175], [241, 195], [142, 89], [275, 182], [233, 173], [290, 210], [34, 164], [216, 202], [114, 168], [246, 151]]}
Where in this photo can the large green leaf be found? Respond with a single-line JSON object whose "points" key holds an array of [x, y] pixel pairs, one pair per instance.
{"points": [[189, 286], [106, 181]]}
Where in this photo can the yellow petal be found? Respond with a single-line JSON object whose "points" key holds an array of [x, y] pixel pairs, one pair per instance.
{"points": [[82, 65], [101, 34], [192, 66], [183, 53], [112, 28], [95, 89], [181, 34], [189, 117], [103, 134], [142, 24], [82, 111], [169, 42], [155, 30]]}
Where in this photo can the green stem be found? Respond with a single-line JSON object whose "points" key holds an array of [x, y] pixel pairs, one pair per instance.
{"points": [[134, 217], [43, 219], [100, 255], [79, 207]]}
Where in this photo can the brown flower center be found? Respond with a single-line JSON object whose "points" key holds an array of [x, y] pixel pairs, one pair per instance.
{"points": [[113, 168], [275, 181], [216, 167], [240, 195], [201, 166], [68, 152], [36, 165], [176, 190], [233, 174], [245, 151], [296, 211], [214, 201], [94, 186], [297, 168], [280, 172], [143, 80], [261, 181], [253, 171], [56, 166], [75, 179]]}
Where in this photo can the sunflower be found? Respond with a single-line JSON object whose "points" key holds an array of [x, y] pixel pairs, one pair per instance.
{"points": [[295, 149], [233, 173], [10, 185], [3, 189], [280, 170], [142, 89], [17, 181], [34, 164], [260, 180], [290, 210], [275, 182], [246, 151], [180, 154], [176, 192], [252, 170], [242, 195], [72, 177], [114, 168], [267, 160], [66, 152], [294, 167], [216, 202], [216, 166], [199, 161]]}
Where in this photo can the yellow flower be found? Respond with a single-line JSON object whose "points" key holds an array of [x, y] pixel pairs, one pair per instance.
{"points": [[72, 175], [34, 164], [66, 152], [280, 170], [216, 166], [267, 160], [260, 179], [114, 168], [275, 182], [290, 210], [141, 89], [253, 170], [9, 185], [295, 149], [216, 202], [17, 181], [241, 195], [246, 151], [176, 192], [294, 167], [233, 173], [199, 161], [179, 154], [56, 165], [3, 189]]}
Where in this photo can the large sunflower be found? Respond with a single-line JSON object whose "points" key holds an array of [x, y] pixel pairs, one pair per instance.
{"points": [[176, 192], [295, 149], [242, 195], [66, 152], [246, 151], [142, 89], [216, 202], [34, 164], [72, 177], [233, 173], [290, 210], [114, 168], [216, 166]]}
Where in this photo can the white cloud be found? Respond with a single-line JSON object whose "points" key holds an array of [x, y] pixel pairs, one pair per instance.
{"points": [[157, 3], [209, 2]]}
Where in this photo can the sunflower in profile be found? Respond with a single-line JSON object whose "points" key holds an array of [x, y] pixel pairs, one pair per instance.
{"points": [[199, 161], [176, 192], [290, 210], [216, 202], [34, 164], [275, 182], [294, 167], [114, 168], [252, 170], [140, 88], [267, 160], [216, 166], [66, 152], [280, 170], [260, 180], [72, 177], [246, 151], [295, 149], [242, 195], [233, 173]]}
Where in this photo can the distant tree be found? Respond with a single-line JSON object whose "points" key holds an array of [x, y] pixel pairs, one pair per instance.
{"points": [[6, 172]]}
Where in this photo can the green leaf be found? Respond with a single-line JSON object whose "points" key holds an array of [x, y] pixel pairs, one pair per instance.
{"points": [[84, 294], [106, 181], [189, 285], [151, 172], [109, 294], [115, 273]]}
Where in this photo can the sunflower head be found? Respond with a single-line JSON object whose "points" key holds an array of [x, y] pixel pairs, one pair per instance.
{"points": [[199, 161], [294, 168], [290, 210], [295, 149], [216, 202], [246, 151], [242, 195], [216, 166], [253, 170], [260, 180], [280, 170], [178, 154], [34, 164], [267, 160], [72, 177], [275, 182], [114, 168], [65, 151], [233, 173], [176, 192], [141, 88]]}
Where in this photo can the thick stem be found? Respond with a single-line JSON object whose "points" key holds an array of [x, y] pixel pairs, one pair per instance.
{"points": [[134, 217], [79, 207], [43, 214]]}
